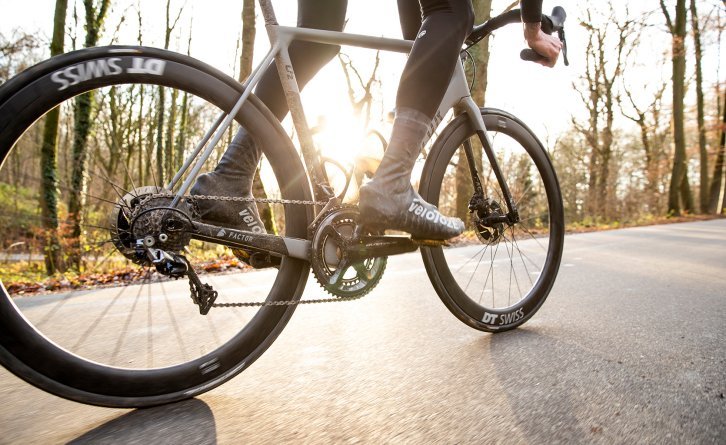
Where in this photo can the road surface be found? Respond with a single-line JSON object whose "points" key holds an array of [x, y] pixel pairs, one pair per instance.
{"points": [[630, 347]]}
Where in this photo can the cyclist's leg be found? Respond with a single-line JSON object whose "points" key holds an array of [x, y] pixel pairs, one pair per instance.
{"points": [[235, 172], [389, 200]]}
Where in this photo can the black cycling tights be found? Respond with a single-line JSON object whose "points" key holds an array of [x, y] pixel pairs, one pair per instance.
{"points": [[439, 27]]}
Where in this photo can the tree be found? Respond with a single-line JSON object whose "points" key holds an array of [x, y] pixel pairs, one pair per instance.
{"points": [[49, 159], [652, 139], [249, 31], [702, 149], [679, 192], [163, 151], [480, 62], [248, 39], [599, 94], [95, 15], [717, 203]]}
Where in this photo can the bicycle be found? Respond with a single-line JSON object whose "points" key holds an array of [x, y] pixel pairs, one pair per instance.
{"points": [[136, 349]]}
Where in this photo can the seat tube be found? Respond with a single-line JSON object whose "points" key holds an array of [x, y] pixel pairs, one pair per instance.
{"points": [[282, 39]]}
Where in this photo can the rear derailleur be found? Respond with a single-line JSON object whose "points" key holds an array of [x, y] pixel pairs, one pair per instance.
{"points": [[177, 266], [148, 231]]}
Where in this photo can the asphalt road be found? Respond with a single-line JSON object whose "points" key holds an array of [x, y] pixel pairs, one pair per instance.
{"points": [[630, 347]]}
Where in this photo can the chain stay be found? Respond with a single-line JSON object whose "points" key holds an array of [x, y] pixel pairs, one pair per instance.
{"points": [[267, 201], [289, 302]]}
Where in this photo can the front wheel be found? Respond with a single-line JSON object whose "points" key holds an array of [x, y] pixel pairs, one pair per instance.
{"points": [[500, 274]]}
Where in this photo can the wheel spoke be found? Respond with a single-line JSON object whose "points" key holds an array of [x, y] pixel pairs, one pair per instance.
{"points": [[523, 248]]}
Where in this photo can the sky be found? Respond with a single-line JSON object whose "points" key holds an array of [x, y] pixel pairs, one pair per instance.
{"points": [[544, 98]]}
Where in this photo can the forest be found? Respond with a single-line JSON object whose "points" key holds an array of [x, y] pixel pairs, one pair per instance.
{"points": [[639, 149]]}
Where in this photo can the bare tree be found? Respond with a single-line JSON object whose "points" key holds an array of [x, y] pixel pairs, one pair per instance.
{"points": [[49, 159], [702, 145], [680, 191], [163, 151], [361, 103], [479, 71], [598, 92], [95, 15], [652, 139], [717, 201], [249, 32]]}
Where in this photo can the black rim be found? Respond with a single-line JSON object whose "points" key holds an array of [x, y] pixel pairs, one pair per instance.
{"points": [[27, 347]]}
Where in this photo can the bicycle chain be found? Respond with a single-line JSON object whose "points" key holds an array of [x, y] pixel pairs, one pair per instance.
{"points": [[267, 201], [239, 199]]}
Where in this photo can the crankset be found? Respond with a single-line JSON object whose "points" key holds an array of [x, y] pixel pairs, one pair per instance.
{"points": [[336, 272], [349, 261]]}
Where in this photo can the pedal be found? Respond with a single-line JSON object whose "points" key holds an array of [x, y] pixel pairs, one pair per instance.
{"points": [[263, 260], [257, 259], [430, 242]]}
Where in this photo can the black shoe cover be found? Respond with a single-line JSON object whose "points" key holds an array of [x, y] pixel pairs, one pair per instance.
{"points": [[407, 212], [232, 214]]}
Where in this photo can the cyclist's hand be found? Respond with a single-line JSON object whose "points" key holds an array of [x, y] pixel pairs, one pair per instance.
{"points": [[548, 46]]}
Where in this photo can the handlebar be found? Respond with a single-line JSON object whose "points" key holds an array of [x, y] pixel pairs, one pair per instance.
{"points": [[550, 23]]}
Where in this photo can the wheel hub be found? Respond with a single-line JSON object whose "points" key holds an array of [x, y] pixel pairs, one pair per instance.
{"points": [[141, 220], [484, 211]]}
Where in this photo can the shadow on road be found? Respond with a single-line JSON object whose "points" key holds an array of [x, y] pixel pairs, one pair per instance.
{"points": [[532, 368], [186, 422], [556, 386]]}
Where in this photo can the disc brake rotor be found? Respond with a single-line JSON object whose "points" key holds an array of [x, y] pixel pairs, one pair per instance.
{"points": [[481, 211]]}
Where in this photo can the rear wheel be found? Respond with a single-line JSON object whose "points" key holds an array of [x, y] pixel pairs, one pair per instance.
{"points": [[500, 274], [137, 339]]}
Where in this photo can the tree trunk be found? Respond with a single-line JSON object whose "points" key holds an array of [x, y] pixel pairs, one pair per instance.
{"points": [[163, 150], [678, 186], [169, 152], [248, 39], [82, 128], [703, 152], [480, 56], [718, 182], [160, 159], [49, 159], [249, 31]]}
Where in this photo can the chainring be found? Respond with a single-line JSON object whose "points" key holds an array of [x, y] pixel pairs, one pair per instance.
{"points": [[329, 238]]}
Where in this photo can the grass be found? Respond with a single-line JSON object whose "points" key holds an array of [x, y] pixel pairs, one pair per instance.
{"points": [[28, 277]]}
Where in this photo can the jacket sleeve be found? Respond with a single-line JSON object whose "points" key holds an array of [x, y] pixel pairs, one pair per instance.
{"points": [[531, 10]]}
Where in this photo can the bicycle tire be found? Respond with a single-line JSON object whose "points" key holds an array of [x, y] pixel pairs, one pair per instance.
{"points": [[25, 348], [523, 160]]}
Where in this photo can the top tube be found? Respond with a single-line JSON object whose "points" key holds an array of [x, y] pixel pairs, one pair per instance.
{"points": [[342, 38]]}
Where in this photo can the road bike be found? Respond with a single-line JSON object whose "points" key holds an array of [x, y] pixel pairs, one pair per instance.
{"points": [[141, 341]]}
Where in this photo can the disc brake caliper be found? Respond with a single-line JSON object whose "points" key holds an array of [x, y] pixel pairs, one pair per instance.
{"points": [[488, 217]]}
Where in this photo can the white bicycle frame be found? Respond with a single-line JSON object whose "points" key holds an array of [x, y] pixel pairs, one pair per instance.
{"points": [[457, 95]]}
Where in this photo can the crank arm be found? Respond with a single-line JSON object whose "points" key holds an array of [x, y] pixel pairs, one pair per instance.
{"points": [[378, 246], [238, 239]]}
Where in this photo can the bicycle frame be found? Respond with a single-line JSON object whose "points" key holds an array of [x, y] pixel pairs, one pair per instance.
{"points": [[457, 97]]}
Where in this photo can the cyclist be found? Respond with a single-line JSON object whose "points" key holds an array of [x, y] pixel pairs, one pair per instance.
{"points": [[388, 201]]}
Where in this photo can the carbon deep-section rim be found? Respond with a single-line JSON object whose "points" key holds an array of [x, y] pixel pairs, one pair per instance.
{"points": [[159, 373], [498, 280]]}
